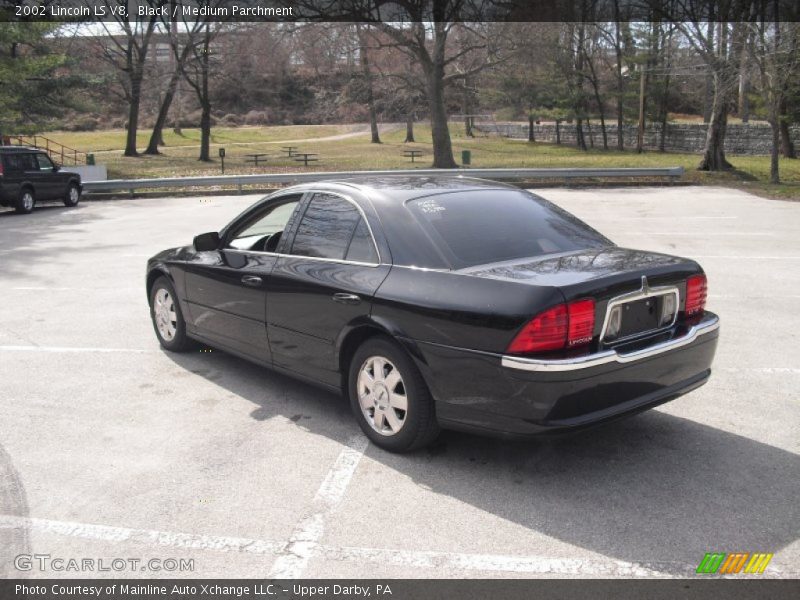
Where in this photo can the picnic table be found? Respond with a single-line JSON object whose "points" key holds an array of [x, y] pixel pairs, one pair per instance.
{"points": [[305, 157], [258, 156], [412, 154], [290, 150]]}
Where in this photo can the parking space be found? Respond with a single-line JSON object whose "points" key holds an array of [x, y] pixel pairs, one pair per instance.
{"points": [[110, 447]]}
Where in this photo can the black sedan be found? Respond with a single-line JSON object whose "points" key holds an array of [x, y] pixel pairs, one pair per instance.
{"points": [[441, 303]]}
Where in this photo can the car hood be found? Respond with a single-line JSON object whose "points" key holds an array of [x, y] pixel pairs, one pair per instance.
{"points": [[180, 253]]}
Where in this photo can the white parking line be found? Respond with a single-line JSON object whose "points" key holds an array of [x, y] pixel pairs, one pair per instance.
{"points": [[331, 491], [745, 257], [150, 537], [304, 541], [67, 349], [790, 370], [701, 233], [539, 565], [73, 289]]}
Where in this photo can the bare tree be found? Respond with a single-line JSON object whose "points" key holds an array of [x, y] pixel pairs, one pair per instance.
{"points": [[197, 72], [774, 51], [182, 46], [127, 52]]}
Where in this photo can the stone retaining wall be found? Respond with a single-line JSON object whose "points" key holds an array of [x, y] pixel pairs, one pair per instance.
{"points": [[739, 139]]}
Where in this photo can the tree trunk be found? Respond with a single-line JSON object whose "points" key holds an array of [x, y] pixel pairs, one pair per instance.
{"points": [[558, 131], [373, 114], [580, 142], [205, 102], [774, 174], [409, 128], [156, 137], [602, 111], [133, 114], [440, 133], [531, 123], [205, 133], [714, 152], [708, 103], [620, 79], [787, 145]]}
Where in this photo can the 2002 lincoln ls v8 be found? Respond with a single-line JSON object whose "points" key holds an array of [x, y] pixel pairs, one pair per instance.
{"points": [[441, 302]]}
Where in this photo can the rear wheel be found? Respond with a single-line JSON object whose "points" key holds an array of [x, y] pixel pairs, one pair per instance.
{"points": [[167, 317], [73, 195], [389, 398], [26, 201]]}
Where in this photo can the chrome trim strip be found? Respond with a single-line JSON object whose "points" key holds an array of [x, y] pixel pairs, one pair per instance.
{"points": [[608, 356], [643, 292], [301, 257]]}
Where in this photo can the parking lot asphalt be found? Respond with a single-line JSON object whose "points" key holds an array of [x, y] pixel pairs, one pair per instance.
{"points": [[112, 448]]}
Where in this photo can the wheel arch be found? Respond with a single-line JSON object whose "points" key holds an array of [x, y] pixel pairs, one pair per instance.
{"points": [[353, 336], [155, 273]]}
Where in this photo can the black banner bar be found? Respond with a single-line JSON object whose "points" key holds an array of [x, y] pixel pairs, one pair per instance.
{"points": [[405, 11], [396, 589]]}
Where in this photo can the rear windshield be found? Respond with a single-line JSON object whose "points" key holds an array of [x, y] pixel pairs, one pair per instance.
{"points": [[480, 227]]}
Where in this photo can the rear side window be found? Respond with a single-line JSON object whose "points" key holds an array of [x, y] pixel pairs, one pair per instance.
{"points": [[326, 228], [362, 248], [19, 162], [480, 227]]}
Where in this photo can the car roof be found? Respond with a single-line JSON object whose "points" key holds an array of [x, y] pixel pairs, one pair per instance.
{"points": [[18, 149], [384, 198], [397, 189]]}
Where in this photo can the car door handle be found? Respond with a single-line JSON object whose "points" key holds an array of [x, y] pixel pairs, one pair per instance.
{"points": [[251, 280], [343, 298]]}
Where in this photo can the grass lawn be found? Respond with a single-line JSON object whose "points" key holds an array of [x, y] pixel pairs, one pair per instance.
{"points": [[179, 155]]}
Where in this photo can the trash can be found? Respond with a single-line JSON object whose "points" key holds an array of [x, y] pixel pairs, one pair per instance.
{"points": [[466, 157], [90, 159]]}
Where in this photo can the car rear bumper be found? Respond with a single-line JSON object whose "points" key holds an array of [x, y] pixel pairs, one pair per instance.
{"points": [[506, 395]]}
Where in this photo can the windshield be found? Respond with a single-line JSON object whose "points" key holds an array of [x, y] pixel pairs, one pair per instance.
{"points": [[480, 227]]}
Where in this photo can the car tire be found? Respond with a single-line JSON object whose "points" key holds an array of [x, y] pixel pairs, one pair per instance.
{"points": [[165, 312], [26, 201], [389, 397], [73, 195]]}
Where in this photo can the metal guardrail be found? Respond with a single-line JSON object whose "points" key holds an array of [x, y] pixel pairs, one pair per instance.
{"points": [[238, 181]]}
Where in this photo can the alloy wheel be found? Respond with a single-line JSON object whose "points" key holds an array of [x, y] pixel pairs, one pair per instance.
{"points": [[165, 315], [382, 395]]}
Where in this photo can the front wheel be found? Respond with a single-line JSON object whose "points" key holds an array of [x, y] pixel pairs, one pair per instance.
{"points": [[73, 195], [389, 398], [167, 317]]}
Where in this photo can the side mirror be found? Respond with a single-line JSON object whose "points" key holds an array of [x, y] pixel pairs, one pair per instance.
{"points": [[56, 168], [205, 242]]}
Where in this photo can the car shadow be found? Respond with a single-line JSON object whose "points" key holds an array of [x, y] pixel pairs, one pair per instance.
{"points": [[655, 489]]}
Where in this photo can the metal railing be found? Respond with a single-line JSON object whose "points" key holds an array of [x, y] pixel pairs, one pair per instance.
{"points": [[239, 181], [54, 149]]}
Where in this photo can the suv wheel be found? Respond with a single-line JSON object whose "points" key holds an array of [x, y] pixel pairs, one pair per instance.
{"points": [[26, 201], [73, 195]]}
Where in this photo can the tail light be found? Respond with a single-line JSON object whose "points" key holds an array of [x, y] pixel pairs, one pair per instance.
{"points": [[557, 328], [1, 167], [696, 291]]}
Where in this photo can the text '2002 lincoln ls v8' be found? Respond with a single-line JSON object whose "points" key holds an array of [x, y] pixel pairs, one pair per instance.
{"points": [[441, 303]]}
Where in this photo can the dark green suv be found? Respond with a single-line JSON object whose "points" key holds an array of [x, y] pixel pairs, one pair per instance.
{"points": [[27, 175]]}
